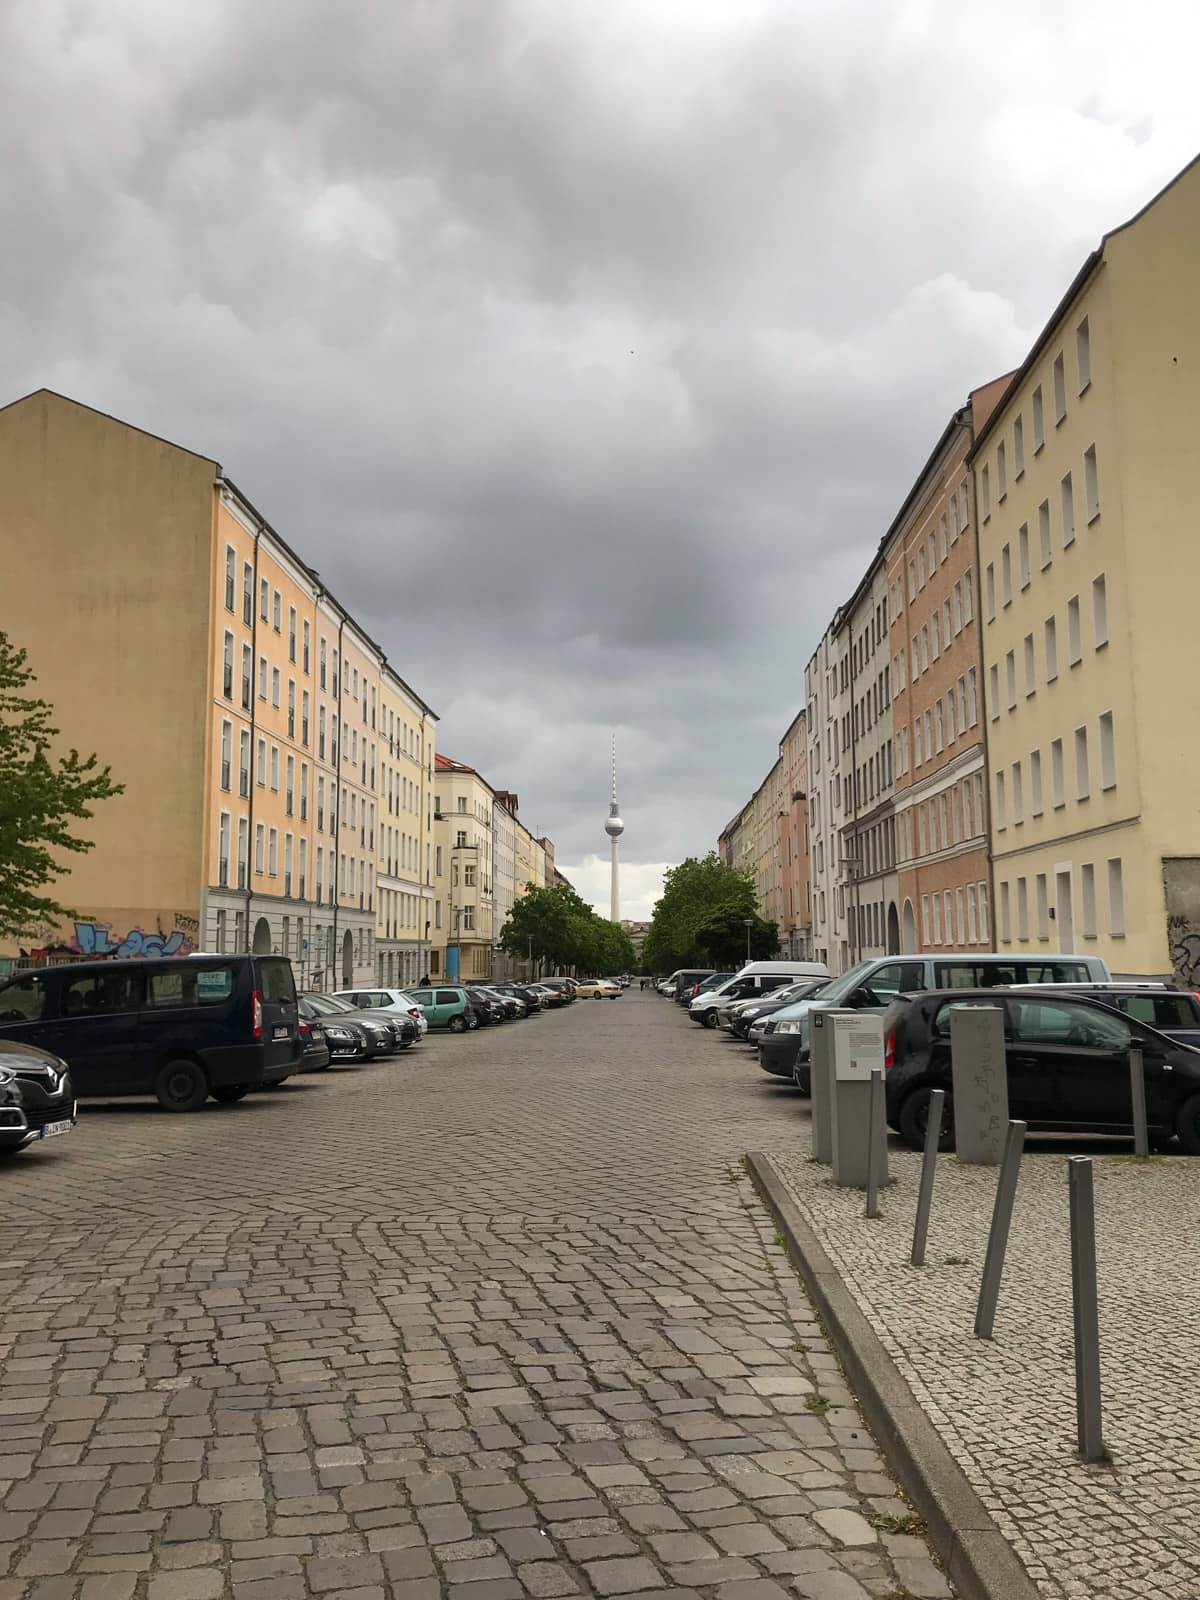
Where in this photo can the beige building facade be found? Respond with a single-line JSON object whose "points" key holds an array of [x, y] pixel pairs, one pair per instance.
{"points": [[1087, 478]]}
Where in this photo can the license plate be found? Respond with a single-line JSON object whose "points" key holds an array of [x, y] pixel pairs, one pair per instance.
{"points": [[281, 1033], [52, 1129]]}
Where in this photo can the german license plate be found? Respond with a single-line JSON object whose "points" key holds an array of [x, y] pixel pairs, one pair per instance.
{"points": [[52, 1129], [281, 1033]]}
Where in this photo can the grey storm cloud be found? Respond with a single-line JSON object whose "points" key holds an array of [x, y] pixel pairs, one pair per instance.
{"points": [[587, 349]]}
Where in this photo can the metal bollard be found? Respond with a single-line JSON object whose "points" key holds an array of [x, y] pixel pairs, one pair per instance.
{"points": [[1086, 1308], [876, 1124], [933, 1133], [993, 1263], [1137, 1093]]}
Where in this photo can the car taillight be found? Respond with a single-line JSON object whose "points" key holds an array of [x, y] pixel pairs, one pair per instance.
{"points": [[304, 1029], [256, 1014], [468, 1011], [889, 1051], [414, 1011]]}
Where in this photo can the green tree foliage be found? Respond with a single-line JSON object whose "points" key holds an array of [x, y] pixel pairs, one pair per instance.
{"points": [[702, 901], [40, 797], [560, 930]]}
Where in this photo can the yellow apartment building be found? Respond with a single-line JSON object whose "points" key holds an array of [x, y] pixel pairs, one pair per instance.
{"points": [[404, 864], [1087, 480], [236, 699]]}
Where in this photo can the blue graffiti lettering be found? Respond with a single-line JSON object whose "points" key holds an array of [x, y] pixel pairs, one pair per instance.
{"points": [[93, 939]]}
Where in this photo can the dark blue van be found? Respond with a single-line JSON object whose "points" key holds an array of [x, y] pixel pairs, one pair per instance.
{"points": [[179, 1028]]}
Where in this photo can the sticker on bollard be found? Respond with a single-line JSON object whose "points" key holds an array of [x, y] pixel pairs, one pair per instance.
{"points": [[980, 1079]]}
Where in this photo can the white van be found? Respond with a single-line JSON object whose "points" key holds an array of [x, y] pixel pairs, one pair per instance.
{"points": [[755, 979]]}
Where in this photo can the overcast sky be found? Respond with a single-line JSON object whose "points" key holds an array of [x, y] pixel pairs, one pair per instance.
{"points": [[586, 346]]}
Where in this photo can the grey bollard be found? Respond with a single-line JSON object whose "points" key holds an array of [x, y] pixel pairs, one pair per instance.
{"points": [[857, 1051], [980, 1079], [1086, 1308], [876, 1126], [821, 1085], [1137, 1094], [933, 1133], [997, 1245]]}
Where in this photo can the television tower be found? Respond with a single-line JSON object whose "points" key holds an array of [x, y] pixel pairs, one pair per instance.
{"points": [[614, 828]]}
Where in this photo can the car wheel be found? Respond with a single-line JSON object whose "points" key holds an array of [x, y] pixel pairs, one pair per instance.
{"points": [[597, 995], [229, 1092], [181, 1086], [457, 1024], [913, 1120], [1187, 1125], [709, 1019]]}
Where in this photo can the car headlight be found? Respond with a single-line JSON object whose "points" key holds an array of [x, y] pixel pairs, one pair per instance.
{"points": [[787, 1027], [7, 1077]]}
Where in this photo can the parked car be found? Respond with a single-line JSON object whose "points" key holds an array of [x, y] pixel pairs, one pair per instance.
{"points": [[687, 991], [385, 1000], [783, 1046], [347, 1041], [37, 1100], [179, 1028], [599, 989], [744, 1014], [447, 1006], [1175, 1012], [488, 1008], [531, 998], [552, 999], [317, 1054], [1067, 1061], [564, 986], [686, 977], [514, 1009], [384, 1030], [711, 1000]]}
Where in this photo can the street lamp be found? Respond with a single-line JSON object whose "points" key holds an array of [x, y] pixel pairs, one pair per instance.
{"points": [[749, 921]]}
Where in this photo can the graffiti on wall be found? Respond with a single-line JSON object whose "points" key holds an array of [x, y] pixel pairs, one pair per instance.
{"points": [[1184, 939], [98, 939]]}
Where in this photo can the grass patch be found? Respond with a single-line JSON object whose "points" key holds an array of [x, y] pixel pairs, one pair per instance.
{"points": [[906, 1524], [817, 1403], [957, 1261]]}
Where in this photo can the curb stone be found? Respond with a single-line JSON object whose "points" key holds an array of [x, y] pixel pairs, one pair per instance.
{"points": [[976, 1555]]}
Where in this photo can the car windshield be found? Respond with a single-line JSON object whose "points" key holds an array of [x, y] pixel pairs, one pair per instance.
{"points": [[328, 1005]]}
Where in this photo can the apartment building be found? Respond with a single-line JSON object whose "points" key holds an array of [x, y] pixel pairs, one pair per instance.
{"points": [[1086, 479], [824, 698], [233, 695], [404, 865], [463, 809], [940, 804], [795, 923]]}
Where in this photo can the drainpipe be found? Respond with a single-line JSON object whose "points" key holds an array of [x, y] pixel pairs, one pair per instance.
{"points": [[253, 731]]}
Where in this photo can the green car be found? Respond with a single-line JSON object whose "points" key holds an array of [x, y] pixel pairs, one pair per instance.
{"points": [[446, 1008]]}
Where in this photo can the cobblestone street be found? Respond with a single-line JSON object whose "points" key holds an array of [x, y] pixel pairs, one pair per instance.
{"points": [[501, 1318]]}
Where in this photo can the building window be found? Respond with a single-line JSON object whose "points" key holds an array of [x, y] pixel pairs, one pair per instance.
{"points": [[291, 633], [1074, 633], [1035, 783], [1001, 472], [1006, 576], [956, 598], [262, 677], [1091, 484], [291, 708], [1000, 812], [1010, 679], [247, 594], [1068, 511], [937, 919], [972, 699], [968, 597], [1018, 794], [306, 648], [1083, 354], [223, 851], [244, 763], [277, 619], [1023, 555], [226, 754], [273, 857], [304, 716], [275, 687], [260, 847], [1108, 752], [1018, 448], [989, 589], [1039, 420], [289, 793], [985, 492], [1005, 914], [247, 676], [1116, 899], [264, 599], [230, 577], [1030, 666], [943, 541], [468, 918], [460, 840], [1042, 904], [221, 926], [275, 767], [972, 930], [437, 864], [227, 668], [1022, 908], [983, 913], [261, 772], [243, 861], [1083, 780], [1047, 554], [1060, 389], [1087, 899], [1058, 796], [1051, 637], [935, 632]]}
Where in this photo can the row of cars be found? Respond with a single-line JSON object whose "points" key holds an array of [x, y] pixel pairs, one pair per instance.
{"points": [[1069, 1028], [187, 1029]]}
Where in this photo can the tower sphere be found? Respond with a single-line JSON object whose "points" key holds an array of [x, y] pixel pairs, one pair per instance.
{"points": [[614, 827]]}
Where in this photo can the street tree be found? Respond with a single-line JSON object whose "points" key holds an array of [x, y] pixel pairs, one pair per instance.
{"points": [[697, 891], [553, 925], [42, 796]]}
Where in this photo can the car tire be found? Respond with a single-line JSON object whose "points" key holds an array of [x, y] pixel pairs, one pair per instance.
{"points": [[457, 1025], [1187, 1125], [181, 1085], [228, 1093], [913, 1119], [709, 1019]]}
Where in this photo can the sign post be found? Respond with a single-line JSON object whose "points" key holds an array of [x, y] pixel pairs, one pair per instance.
{"points": [[857, 1052]]}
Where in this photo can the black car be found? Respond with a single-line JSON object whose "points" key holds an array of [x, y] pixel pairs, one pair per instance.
{"points": [[384, 1034], [488, 1008], [316, 1055], [181, 1028], [1175, 1012], [1067, 1057], [345, 1040], [743, 1019], [36, 1098], [563, 986]]}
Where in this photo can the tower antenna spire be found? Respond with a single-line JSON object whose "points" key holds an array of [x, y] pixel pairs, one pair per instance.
{"points": [[614, 828]]}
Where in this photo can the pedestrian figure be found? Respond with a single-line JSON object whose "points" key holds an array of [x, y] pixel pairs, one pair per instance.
{"points": [[425, 982]]}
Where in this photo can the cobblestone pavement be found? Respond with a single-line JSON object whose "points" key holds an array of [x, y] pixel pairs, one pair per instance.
{"points": [[501, 1319], [1129, 1530]]}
